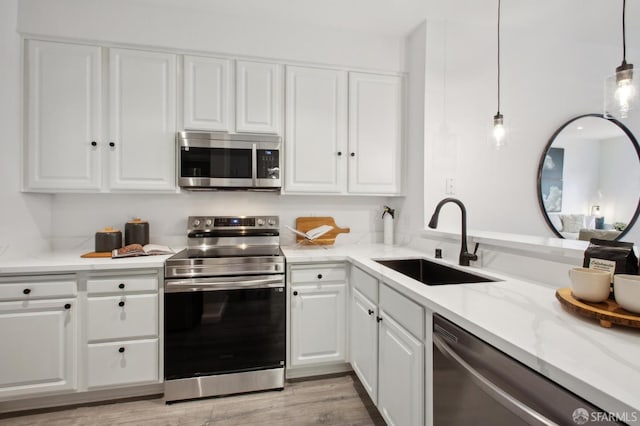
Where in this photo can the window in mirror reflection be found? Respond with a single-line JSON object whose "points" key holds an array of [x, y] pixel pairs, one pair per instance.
{"points": [[589, 179]]}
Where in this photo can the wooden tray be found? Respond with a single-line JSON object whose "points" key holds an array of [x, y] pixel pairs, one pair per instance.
{"points": [[607, 312], [304, 224], [96, 254]]}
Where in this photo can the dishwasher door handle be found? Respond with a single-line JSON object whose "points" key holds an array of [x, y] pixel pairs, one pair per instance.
{"points": [[517, 407]]}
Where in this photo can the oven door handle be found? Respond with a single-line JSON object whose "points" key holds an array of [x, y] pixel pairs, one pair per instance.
{"points": [[223, 283], [520, 409]]}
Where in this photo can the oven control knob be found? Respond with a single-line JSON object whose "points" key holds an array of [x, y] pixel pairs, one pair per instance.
{"points": [[272, 221], [260, 222], [208, 223], [196, 223]]}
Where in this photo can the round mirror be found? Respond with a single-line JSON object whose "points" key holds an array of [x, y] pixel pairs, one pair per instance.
{"points": [[589, 179]]}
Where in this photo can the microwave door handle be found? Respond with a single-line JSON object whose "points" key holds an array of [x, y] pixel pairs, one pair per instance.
{"points": [[517, 407], [254, 164]]}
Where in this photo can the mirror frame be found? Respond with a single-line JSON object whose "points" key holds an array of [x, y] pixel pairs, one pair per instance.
{"points": [[632, 139]]}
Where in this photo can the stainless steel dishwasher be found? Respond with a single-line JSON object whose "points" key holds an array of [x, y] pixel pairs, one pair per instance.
{"points": [[476, 384]]}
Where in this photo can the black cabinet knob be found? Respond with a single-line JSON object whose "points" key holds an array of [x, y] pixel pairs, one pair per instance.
{"points": [[26, 291], [67, 306], [94, 143], [121, 286], [370, 311], [295, 293], [121, 303], [339, 153], [378, 319], [112, 144], [353, 154], [319, 276], [121, 350]]}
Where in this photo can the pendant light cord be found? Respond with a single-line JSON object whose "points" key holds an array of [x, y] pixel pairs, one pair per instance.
{"points": [[499, 1], [624, 38]]}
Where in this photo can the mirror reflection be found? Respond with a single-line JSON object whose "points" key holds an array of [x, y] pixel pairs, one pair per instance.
{"points": [[589, 179]]}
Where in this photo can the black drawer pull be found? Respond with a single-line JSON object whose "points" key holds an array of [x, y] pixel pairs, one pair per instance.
{"points": [[121, 350], [339, 153], [67, 306], [121, 303], [121, 286], [112, 144], [26, 291], [94, 143], [319, 276], [370, 311], [353, 154], [295, 293]]}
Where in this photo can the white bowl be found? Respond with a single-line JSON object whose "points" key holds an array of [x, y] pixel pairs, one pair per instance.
{"points": [[589, 284], [627, 291]]}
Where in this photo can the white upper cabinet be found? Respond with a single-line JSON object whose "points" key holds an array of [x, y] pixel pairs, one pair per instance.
{"points": [[208, 94], [375, 133], [142, 125], [259, 95], [316, 130], [63, 107]]}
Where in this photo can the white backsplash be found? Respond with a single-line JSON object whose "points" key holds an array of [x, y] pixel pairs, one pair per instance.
{"points": [[76, 217]]}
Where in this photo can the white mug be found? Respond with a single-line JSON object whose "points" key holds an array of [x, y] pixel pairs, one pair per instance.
{"points": [[626, 289], [590, 285]]}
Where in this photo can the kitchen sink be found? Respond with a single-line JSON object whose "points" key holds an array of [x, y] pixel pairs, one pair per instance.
{"points": [[431, 273]]}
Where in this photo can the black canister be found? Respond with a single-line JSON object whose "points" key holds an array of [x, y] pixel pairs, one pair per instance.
{"points": [[108, 239], [136, 231]]}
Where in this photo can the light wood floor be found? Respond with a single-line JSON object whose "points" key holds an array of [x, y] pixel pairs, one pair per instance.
{"points": [[325, 401]]}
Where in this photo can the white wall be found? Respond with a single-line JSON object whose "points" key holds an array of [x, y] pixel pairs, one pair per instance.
{"points": [[224, 29], [555, 56], [25, 219]]}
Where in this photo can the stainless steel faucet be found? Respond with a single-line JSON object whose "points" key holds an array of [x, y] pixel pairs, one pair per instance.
{"points": [[465, 256]]}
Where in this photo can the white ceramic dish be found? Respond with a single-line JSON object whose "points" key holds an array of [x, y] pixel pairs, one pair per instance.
{"points": [[589, 284], [627, 291]]}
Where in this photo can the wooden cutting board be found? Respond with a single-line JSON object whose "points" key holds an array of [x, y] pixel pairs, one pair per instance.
{"points": [[96, 254], [304, 224], [607, 312]]}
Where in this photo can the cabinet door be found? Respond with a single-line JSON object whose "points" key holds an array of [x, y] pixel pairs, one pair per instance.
{"points": [[316, 130], [363, 347], [258, 97], [142, 120], [401, 375], [375, 133], [63, 102], [318, 324], [207, 93], [38, 352]]}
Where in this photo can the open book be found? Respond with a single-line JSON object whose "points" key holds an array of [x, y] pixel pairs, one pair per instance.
{"points": [[314, 233], [139, 250]]}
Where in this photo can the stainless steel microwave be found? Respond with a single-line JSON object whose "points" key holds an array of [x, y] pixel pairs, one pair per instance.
{"points": [[228, 161]]}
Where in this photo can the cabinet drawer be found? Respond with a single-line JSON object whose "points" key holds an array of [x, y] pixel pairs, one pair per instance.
{"points": [[318, 273], [28, 290], [120, 363], [137, 317], [125, 283], [406, 312], [365, 283]]}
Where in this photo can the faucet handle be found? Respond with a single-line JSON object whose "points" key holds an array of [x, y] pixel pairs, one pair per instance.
{"points": [[475, 249]]}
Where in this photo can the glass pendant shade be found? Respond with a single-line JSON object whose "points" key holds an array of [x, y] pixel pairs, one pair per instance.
{"points": [[498, 131], [621, 92]]}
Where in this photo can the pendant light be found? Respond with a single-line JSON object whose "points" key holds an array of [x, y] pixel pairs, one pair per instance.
{"points": [[621, 89], [498, 132]]}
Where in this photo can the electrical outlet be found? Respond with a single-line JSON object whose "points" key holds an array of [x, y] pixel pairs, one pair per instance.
{"points": [[450, 187]]}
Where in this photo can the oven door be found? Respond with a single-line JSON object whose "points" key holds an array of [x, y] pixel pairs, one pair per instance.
{"points": [[223, 325]]}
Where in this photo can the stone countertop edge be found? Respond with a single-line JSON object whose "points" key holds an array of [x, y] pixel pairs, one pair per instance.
{"points": [[599, 364]]}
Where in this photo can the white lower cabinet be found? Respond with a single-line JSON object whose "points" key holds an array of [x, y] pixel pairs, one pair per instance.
{"points": [[120, 363], [122, 330], [318, 315], [387, 348], [38, 320]]}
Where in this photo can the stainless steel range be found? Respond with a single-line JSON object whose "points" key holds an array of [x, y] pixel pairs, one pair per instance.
{"points": [[225, 309]]}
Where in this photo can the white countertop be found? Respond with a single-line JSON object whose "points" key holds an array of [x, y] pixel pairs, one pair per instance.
{"points": [[70, 261], [521, 318]]}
